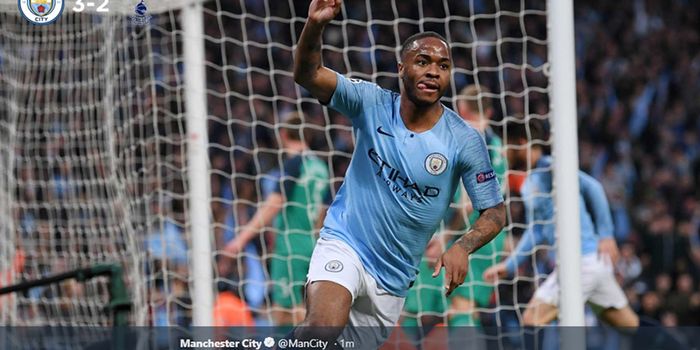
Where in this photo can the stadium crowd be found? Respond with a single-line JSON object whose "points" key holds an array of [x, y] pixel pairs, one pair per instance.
{"points": [[638, 69]]}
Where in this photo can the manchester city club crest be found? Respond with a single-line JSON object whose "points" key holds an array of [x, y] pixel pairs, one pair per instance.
{"points": [[41, 7], [334, 266], [41, 11], [435, 163]]}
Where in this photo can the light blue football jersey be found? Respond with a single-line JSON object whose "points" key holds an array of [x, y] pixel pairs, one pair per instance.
{"points": [[399, 183], [594, 211]]}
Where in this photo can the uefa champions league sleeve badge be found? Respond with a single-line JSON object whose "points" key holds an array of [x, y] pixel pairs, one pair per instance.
{"points": [[41, 11]]}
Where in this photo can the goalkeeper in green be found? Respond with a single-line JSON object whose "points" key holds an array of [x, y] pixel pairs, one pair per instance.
{"points": [[293, 205]]}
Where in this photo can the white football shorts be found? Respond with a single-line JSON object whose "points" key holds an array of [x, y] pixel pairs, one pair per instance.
{"points": [[597, 281], [374, 311]]}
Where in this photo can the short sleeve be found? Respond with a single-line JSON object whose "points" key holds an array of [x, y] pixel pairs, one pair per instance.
{"points": [[539, 209], [478, 176], [291, 172], [270, 182], [352, 96], [597, 205]]}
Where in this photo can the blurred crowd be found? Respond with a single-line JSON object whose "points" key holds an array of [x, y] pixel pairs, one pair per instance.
{"points": [[638, 70]]}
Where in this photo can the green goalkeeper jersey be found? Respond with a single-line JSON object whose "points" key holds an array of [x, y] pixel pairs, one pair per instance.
{"points": [[304, 184]]}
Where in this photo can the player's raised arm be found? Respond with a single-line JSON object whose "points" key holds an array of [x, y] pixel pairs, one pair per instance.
{"points": [[309, 71]]}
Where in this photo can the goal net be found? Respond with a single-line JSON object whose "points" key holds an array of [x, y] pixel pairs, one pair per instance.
{"points": [[93, 144], [92, 164]]}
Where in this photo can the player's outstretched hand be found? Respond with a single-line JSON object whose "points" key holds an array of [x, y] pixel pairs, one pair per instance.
{"points": [[433, 251], [493, 273], [456, 263], [323, 11], [235, 246], [607, 249]]}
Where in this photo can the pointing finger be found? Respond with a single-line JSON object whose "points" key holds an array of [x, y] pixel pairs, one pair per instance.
{"points": [[438, 266]]}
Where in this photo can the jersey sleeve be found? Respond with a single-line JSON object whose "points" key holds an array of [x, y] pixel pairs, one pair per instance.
{"points": [[478, 176], [289, 176], [540, 227], [353, 96], [597, 205], [270, 182], [522, 250]]}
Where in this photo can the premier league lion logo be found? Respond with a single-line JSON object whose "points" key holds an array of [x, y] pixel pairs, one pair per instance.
{"points": [[141, 16], [141, 9]]}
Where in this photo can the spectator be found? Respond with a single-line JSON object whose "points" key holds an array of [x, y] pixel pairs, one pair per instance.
{"points": [[629, 267], [683, 301], [229, 309]]}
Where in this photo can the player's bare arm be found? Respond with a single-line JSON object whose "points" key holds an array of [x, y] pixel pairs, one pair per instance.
{"points": [[486, 227], [264, 216], [607, 249], [309, 71], [493, 273], [455, 260]]}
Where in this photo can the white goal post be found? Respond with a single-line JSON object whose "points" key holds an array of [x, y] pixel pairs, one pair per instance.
{"points": [[560, 24]]}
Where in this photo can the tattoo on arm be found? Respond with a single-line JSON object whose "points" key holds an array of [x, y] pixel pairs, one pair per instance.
{"points": [[486, 227], [308, 54]]}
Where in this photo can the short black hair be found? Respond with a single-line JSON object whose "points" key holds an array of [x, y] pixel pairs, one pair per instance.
{"points": [[418, 36], [531, 129]]}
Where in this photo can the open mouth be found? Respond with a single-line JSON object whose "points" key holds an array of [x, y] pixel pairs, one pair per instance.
{"points": [[428, 86]]}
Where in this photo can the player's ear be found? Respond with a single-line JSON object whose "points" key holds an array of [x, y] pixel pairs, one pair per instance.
{"points": [[283, 135], [460, 106], [400, 70]]}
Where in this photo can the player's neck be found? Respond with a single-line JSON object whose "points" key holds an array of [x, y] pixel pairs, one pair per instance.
{"points": [[482, 124], [419, 118], [478, 122], [294, 147]]}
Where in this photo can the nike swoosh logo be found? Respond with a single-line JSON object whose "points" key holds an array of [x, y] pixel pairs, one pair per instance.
{"points": [[379, 130]]}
